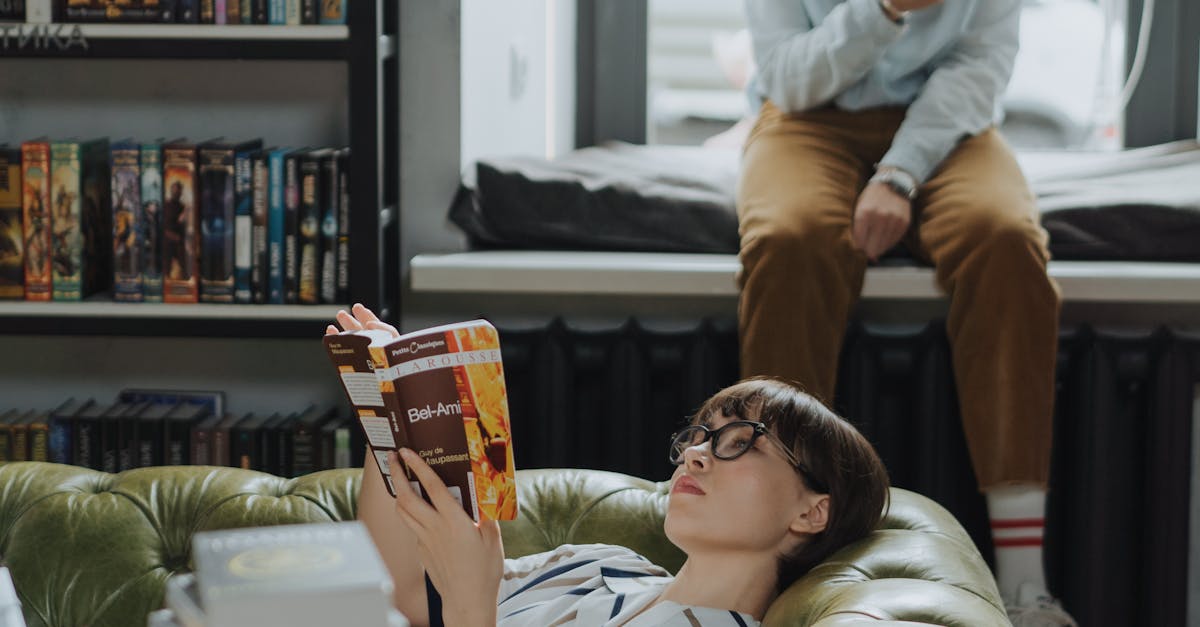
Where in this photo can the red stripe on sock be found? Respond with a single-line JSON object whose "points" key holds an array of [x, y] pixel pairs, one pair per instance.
{"points": [[1009, 523], [1011, 542]]}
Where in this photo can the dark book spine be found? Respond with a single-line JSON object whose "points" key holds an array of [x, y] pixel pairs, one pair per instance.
{"points": [[187, 11], [260, 261], [35, 172], [60, 440], [66, 228], [308, 12], [243, 193], [343, 223], [128, 443], [304, 451], [258, 11], [87, 443], [5, 443], [284, 443], [12, 236], [151, 173], [200, 446], [166, 12], [329, 229], [150, 443], [109, 444], [220, 446], [177, 449], [12, 10], [97, 219], [291, 213], [217, 215], [308, 233], [127, 223], [180, 225]]}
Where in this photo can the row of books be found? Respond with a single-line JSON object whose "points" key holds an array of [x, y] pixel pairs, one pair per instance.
{"points": [[126, 434], [277, 12], [174, 221]]}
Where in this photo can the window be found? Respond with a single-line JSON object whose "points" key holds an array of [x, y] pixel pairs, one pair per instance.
{"points": [[1062, 94]]}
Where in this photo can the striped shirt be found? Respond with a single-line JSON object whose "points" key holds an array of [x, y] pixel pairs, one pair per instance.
{"points": [[596, 584]]}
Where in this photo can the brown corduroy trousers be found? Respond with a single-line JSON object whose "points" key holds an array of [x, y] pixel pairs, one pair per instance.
{"points": [[975, 220]]}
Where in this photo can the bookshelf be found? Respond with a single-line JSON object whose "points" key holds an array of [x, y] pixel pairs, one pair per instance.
{"points": [[366, 46]]}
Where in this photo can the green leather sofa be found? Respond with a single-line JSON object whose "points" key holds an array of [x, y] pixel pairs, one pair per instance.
{"points": [[87, 548]]}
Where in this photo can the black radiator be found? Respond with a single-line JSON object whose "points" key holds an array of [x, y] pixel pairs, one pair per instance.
{"points": [[1117, 521]]}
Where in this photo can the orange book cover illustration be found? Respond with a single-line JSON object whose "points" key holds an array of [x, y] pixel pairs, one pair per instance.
{"points": [[441, 393]]}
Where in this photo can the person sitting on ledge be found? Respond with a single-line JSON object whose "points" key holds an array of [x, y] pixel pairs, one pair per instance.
{"points": [[768, 484]]}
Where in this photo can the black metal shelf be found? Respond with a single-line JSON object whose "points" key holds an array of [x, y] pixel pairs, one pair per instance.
{"points": [[174, 41], [104, 317]]}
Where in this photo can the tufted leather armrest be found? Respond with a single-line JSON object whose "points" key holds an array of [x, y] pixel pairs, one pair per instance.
{"points": [[89, 548]]}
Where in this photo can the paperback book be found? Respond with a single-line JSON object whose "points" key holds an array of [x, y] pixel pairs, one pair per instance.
{"points": [[441, 393]]}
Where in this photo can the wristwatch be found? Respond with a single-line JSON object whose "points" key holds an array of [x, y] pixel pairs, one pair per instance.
{"points": [[898, 181]]}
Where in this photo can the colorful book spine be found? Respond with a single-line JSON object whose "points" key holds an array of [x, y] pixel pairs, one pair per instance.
{"points": [[329, 227], [243, 196], [12, 236], [260, 262], [97, 219], [233, 12], [35, 175], [66, 223], [179, 224], [333, 12], [216, 181], [127, 222], [291, 214], [208, 10], [276, 12], [343, 222], [220, 13], [275, 227], [291, 10], [150, 161], [308, 231]]}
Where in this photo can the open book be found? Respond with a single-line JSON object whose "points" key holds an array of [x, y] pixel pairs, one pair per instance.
{"points": [[440, 392]]}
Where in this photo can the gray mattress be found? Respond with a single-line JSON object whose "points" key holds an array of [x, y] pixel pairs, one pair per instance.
{"points": [[1141, 205]]}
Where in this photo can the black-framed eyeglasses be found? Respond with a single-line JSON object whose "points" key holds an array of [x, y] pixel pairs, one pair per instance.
{"points": [[731, 441]]}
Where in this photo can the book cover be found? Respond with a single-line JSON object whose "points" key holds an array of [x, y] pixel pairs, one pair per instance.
{"points": [[180, 224], [311, 574], [308, 225], [291, 215], [73, 268], [12, 10], [127, 222], [96, 257], [276, 208], [342, 294], [260, 262], [150, 165], [330, 195], [333, 12], [61, 430], [66, 221], [35, 176], [441, 393], [243, 200], [12, 235]]}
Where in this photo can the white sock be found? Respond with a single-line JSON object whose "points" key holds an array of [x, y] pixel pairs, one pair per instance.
{"points": [[1018, 515]]}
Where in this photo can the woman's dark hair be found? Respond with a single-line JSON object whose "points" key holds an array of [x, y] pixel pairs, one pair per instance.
{"points": [[841, 462]]}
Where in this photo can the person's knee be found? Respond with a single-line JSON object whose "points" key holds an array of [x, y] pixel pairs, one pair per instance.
{"points": [[794, 243]]}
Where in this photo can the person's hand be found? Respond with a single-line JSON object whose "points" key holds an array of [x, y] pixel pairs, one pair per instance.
{"points": [[913, 5], [880, 219], [464, 560], [359, 318]]}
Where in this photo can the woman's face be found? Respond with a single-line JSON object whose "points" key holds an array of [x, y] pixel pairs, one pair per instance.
{"points": [[747, 504]]}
